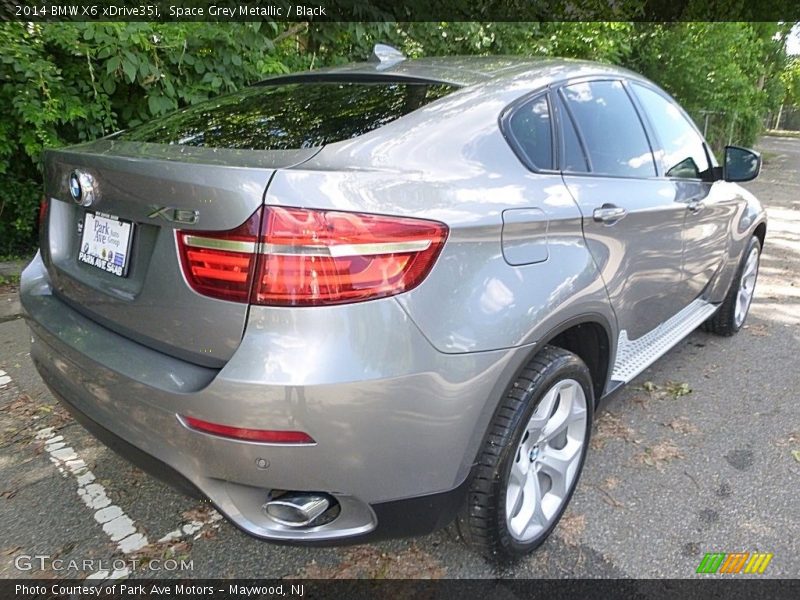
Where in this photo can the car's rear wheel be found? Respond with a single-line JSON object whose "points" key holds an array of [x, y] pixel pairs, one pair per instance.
{"points": [[731, 316], [531, 459]]}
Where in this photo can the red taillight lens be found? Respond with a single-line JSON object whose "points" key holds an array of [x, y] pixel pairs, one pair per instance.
{"points": [[314, 257], [266, 436], [221, 264], [44, 205]]}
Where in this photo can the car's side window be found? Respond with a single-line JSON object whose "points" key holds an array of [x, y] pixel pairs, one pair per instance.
{"points": [[612, 131], [682, 150], [530, 128], [573, 156]]}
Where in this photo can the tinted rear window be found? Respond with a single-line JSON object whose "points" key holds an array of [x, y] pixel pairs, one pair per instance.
{"points": [[530, 126], [290, 116]]}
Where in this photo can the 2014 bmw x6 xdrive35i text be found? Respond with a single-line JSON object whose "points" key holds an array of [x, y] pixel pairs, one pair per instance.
{"points": [[361, 301]]}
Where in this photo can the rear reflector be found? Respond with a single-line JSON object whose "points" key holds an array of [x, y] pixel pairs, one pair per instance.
{"points": [[249, 435], [308, 257]]}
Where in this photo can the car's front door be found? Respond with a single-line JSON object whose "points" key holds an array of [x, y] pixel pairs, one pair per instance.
{"points": [[710, 206], [633, 221]]}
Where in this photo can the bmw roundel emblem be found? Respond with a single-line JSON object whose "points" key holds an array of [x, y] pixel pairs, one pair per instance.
{"points": [[82, 188]]}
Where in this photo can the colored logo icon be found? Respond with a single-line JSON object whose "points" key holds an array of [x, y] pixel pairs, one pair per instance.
{"points": [[734, 563]]}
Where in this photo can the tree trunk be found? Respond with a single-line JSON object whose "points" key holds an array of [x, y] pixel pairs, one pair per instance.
{"points": [[778, 119]]}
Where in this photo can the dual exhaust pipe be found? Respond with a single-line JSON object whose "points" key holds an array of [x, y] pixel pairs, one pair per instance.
{"points": [[296, 509]]}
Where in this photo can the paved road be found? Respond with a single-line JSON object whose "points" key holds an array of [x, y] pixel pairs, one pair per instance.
{"points": [[694, 456]]}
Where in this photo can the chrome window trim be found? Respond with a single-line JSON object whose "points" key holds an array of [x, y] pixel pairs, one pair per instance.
{"points": [[337, 251]]}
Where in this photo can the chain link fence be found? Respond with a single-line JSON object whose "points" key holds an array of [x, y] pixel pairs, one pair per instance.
{"points": [[786, 119], [722, 128]]}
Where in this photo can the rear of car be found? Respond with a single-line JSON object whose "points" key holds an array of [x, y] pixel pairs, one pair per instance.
{"points": [[247, 343]]}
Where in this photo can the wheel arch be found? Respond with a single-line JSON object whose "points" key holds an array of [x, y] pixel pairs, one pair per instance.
{"points": [[761, 232], [568, 335], [589, 337]]}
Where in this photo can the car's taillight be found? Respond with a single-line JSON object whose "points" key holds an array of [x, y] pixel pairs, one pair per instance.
{"points": [[44, 206], [309, 257], [221, 264]]}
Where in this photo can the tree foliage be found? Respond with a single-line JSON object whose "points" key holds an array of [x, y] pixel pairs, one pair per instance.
{"points": [[69, 82]]}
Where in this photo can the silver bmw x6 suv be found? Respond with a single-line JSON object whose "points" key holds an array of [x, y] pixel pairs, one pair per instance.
{"points": [[363, 301]]}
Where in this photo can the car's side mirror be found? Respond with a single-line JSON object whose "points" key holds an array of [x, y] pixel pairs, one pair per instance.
{"points": [[741, 164]]}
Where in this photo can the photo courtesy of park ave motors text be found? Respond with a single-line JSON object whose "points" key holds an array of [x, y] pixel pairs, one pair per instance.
{"points": [[415, 300]]}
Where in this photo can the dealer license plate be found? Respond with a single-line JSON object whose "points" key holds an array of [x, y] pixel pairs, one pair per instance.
{"points": [[106, 243]]}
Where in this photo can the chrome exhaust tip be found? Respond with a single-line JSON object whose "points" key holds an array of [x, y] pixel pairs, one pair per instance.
{"points": [[297, 510]]}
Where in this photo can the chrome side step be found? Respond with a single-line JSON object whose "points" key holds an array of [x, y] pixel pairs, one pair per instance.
{"points": [[634, 356]]}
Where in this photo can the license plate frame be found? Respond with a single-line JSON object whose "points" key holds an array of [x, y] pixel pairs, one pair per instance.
{"points": [[104, 238]]}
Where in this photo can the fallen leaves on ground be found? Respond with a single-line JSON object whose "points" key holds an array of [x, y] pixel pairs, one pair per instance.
{"points": [[570, 529], [677, 389], [176, 550], [201, 513], [790, 440], [611, 427], [659, 455], [372, 563], [682, 425], [610, 483], [759, 330], [649, 387]]}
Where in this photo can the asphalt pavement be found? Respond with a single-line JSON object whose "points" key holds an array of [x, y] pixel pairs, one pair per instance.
{"points": [[700, 453]]}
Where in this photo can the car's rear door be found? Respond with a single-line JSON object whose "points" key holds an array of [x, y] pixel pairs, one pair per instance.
{"points": [[633, 221]]}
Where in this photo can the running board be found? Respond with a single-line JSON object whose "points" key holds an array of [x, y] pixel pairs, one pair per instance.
{"points": [[635, 356]]}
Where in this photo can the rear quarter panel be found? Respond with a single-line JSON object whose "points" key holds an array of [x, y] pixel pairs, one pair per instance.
{"points": [[450, 162]]}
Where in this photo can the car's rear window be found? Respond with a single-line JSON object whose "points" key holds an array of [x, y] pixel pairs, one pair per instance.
{"points": [[289, 116]]}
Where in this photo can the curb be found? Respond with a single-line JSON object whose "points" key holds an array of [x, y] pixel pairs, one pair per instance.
{"points": [[10, 307]]}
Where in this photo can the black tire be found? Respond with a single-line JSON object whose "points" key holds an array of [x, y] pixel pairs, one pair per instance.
{"points": [[723, 322], [482, 522]]}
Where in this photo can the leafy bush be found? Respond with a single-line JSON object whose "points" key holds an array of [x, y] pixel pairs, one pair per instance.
{"points": [[70, 82], [19, 207]]}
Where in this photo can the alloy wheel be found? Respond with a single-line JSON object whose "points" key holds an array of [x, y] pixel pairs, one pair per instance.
{"points": [[547, 461], [747, 285]]}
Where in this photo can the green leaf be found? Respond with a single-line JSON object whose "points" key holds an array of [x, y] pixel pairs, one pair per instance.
{"points": [[153, 103], [109, 85], [112, 64], [130, 70]]}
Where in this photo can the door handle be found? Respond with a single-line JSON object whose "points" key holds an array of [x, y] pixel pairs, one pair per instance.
{"points": [[695, 206], [609, 214]]}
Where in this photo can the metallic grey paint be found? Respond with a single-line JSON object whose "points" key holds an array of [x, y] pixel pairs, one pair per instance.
{"points": [[397, 392]]}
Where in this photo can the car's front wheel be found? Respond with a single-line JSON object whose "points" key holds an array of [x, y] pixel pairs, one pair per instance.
{"points": [[532, 457], [731, 315]]}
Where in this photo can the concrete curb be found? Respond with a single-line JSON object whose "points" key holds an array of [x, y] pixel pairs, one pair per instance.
{"points": [[12, 268], [10, 307]]}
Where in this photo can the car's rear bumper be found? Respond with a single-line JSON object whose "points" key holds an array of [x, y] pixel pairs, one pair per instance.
{"points": [[405, 431]]}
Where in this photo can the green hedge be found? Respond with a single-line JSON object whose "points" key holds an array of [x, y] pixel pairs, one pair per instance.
{"points": [[69, 82]]}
